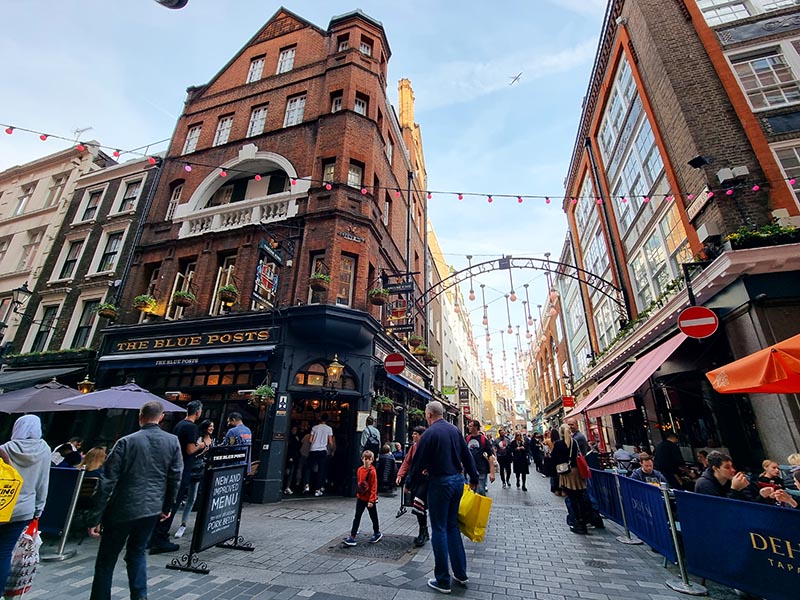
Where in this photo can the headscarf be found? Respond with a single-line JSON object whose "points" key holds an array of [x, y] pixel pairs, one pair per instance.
{"points": [[28, 427]]}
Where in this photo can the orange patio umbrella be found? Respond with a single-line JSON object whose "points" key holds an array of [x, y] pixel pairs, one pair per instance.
{"points": [[773, 370]]}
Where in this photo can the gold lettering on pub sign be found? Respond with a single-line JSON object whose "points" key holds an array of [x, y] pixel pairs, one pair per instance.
{"points": [[205, 340], [779, 551]]}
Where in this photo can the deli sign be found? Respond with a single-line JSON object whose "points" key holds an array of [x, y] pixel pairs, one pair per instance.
{"points": [[219, 339]]}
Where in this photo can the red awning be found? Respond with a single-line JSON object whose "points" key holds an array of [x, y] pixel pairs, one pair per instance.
{"points": [[595, 393], [620, 397]]}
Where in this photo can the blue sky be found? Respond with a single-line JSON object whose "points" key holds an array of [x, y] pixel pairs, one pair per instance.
{"points": [[122, 68]]}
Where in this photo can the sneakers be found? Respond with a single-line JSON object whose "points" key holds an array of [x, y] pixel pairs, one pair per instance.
{"points": [[318, 493], [376, 537], [432, 583], [464, 581], [504, 485], [524, 489], [349, 541], [288, 491], [306, 489], [181, 530]]}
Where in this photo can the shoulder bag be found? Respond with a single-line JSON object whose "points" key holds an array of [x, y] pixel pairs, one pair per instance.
{"points": [[564, 468]]}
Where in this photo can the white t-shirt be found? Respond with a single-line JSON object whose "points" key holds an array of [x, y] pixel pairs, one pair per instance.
{"points": [[319, 437]]}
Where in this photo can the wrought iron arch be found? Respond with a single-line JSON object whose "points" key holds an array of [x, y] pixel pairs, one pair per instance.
{"points": [[594, 281]]}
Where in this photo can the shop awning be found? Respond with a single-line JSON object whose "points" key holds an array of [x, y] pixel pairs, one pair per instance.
{"points": [[178, 358], [414, 387], [619, 398], [12, 380], [595, 393]]}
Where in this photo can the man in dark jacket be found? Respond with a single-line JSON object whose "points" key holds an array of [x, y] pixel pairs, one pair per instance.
{"points": [[722, 480], [669, 460], [139, 485]]}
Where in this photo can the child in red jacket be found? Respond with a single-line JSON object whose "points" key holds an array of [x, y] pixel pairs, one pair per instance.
{"points": [[366, 497]]}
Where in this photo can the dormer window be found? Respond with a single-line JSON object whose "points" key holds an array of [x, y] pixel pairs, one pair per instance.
{"points": [[365, 47], [343, 43]]}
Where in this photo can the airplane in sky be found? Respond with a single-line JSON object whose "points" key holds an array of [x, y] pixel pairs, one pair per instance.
{"points": [[515, 78]]}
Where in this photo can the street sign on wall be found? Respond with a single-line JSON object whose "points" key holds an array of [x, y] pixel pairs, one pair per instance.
{"points": [[394, 363], [698, 322]]}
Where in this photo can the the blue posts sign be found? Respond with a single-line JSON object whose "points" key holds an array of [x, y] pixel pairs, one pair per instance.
{"points": [[604, 489], [647, 515], [746, 545]]}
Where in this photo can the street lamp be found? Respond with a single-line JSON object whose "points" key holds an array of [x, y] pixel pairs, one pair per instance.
{"points": [[334, 370], [20, 296], [86, 386]]}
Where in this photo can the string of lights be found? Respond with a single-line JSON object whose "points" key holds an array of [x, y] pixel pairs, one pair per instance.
{"points": [[188, 165]]}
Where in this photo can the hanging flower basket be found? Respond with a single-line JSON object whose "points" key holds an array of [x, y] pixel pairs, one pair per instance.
{"points": [[429, 358], [183, 299], [414, 340], [108, 311], [383, 403], [416, 414], [379, 296], [145, 303], [421, 349], [263, 395], [228, 293], [319, 282]]}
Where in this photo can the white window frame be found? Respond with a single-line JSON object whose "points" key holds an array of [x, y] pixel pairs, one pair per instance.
{"points": [[122, 197], [75, 323], [286, 60], [84, 205], [30, 249], [42, 325], [389, 149], [224, 126], [355, 175], [192, 137], [343, 45], [786, 51], [360, 106], [57, 274], [336, 103], [57, 186], [717, 12], [793, 145], [225, 276], [256, 69], [101, 251], [365, 47], [343, 281], [26, 193], [329, 172], [295, 107], [5, 244], [174, 200], [258, 120], [182, 283]]}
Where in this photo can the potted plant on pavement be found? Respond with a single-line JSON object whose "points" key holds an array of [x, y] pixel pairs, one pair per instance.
{"points": [[319, 282], [228, 293], [145, 303], [378, 296], [108, 310], [183, 298]]}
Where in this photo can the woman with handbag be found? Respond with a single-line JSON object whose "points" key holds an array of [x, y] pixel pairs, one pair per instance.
{"points": [[420, 493], [521, 459], [30, 456], [565, 457]]}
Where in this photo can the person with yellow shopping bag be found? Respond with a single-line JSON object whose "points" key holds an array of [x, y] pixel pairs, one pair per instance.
{"points": [[443, 452], [28, 453], [473, 514]]}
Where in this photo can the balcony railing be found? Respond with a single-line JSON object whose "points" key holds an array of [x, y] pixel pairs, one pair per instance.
{"points": [[265, 209]]}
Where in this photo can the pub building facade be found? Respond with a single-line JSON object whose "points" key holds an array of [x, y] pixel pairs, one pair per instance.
{"points": [[283, 202]]}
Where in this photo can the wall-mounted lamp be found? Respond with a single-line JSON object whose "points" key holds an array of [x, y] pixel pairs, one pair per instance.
{"points": [[334, 370], [86, 386]]}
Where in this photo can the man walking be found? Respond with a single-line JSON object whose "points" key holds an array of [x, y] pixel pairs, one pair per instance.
{"points": [[502, 450], [443, 452], [321, 440], [482, 453], [191, 447], [139, 486]]}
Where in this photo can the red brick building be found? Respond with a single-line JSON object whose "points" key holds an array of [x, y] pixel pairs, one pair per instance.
{"points": [[290, 163], [689, 132]]}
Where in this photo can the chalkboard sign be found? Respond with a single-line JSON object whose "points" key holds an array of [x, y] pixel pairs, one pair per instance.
{"points": [[218, 519]]}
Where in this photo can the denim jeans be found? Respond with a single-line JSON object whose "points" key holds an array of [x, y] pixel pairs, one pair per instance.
{"points": [[317, 462], [9, 534], [134, 536], [444, 496], [483, 484], [191, 496]]}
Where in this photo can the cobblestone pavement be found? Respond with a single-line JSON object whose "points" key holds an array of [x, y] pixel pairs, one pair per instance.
{"points": [[528, 553]]}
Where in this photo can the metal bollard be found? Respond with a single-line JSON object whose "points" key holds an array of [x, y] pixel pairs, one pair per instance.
{"points": [[624, 539], [61, 555], [684, 585]]}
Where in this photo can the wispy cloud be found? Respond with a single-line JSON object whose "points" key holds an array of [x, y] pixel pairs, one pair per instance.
{"points": [[455, 82]]}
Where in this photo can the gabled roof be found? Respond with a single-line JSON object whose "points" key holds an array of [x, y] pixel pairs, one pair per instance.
{"points": [[360, 14]]}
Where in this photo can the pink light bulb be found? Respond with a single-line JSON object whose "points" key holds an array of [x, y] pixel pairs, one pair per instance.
{"points": [[472, 295], [430, 195], [530, 322], [43, 137], [461, 196], [690, 196], [294, 181], [491, 199], [363, 190], [9, 130], [792, 181], [257, 177], [328, 186], [485, 321], [510, 330], [756, 188], [81, 147], [647, 198], [669, 198], [599, 200], [519, 199], [710, 194], [574, 200], [151, 160], [624, 199], [397, 194], [528, 335], [513, 297], [457, 309], [547, 200], [187, 168], [116, 153], [729, 192], [223, 173]]}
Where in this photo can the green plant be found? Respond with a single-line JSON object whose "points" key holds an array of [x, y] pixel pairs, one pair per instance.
{"points": [[182, 294], [415, 338], [378, 292], [382, 401], [107, 307], [229, 287], [416, 414], [422, 349], [264, 391], [145, 300], [320, 276], [765, 232]]}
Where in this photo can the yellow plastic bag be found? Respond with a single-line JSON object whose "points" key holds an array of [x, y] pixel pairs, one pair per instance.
{"points": [[473, 514], [10, 486]]}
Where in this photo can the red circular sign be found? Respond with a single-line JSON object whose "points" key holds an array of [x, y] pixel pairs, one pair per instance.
{"points": [[698, 322], [394, 363]]}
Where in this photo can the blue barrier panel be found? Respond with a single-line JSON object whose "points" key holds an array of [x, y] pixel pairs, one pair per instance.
{"points": [[604, 489], [749, 546], [647, 515], [59, 496]]}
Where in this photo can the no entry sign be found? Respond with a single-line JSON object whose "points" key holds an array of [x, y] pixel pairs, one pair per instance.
{"points": [[394, 363], [698, 322]]}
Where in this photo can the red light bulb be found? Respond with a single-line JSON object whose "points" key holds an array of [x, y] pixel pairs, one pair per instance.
{"points": [[430, 195], [328, 186], [43, 137], [9, 130], [294, 181], [257, 177], [491, 199], [151, 160], [363, 190], [116, 153], [792, 181], [223, 173], [519, 199], [81, 147], [461, 196]]}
